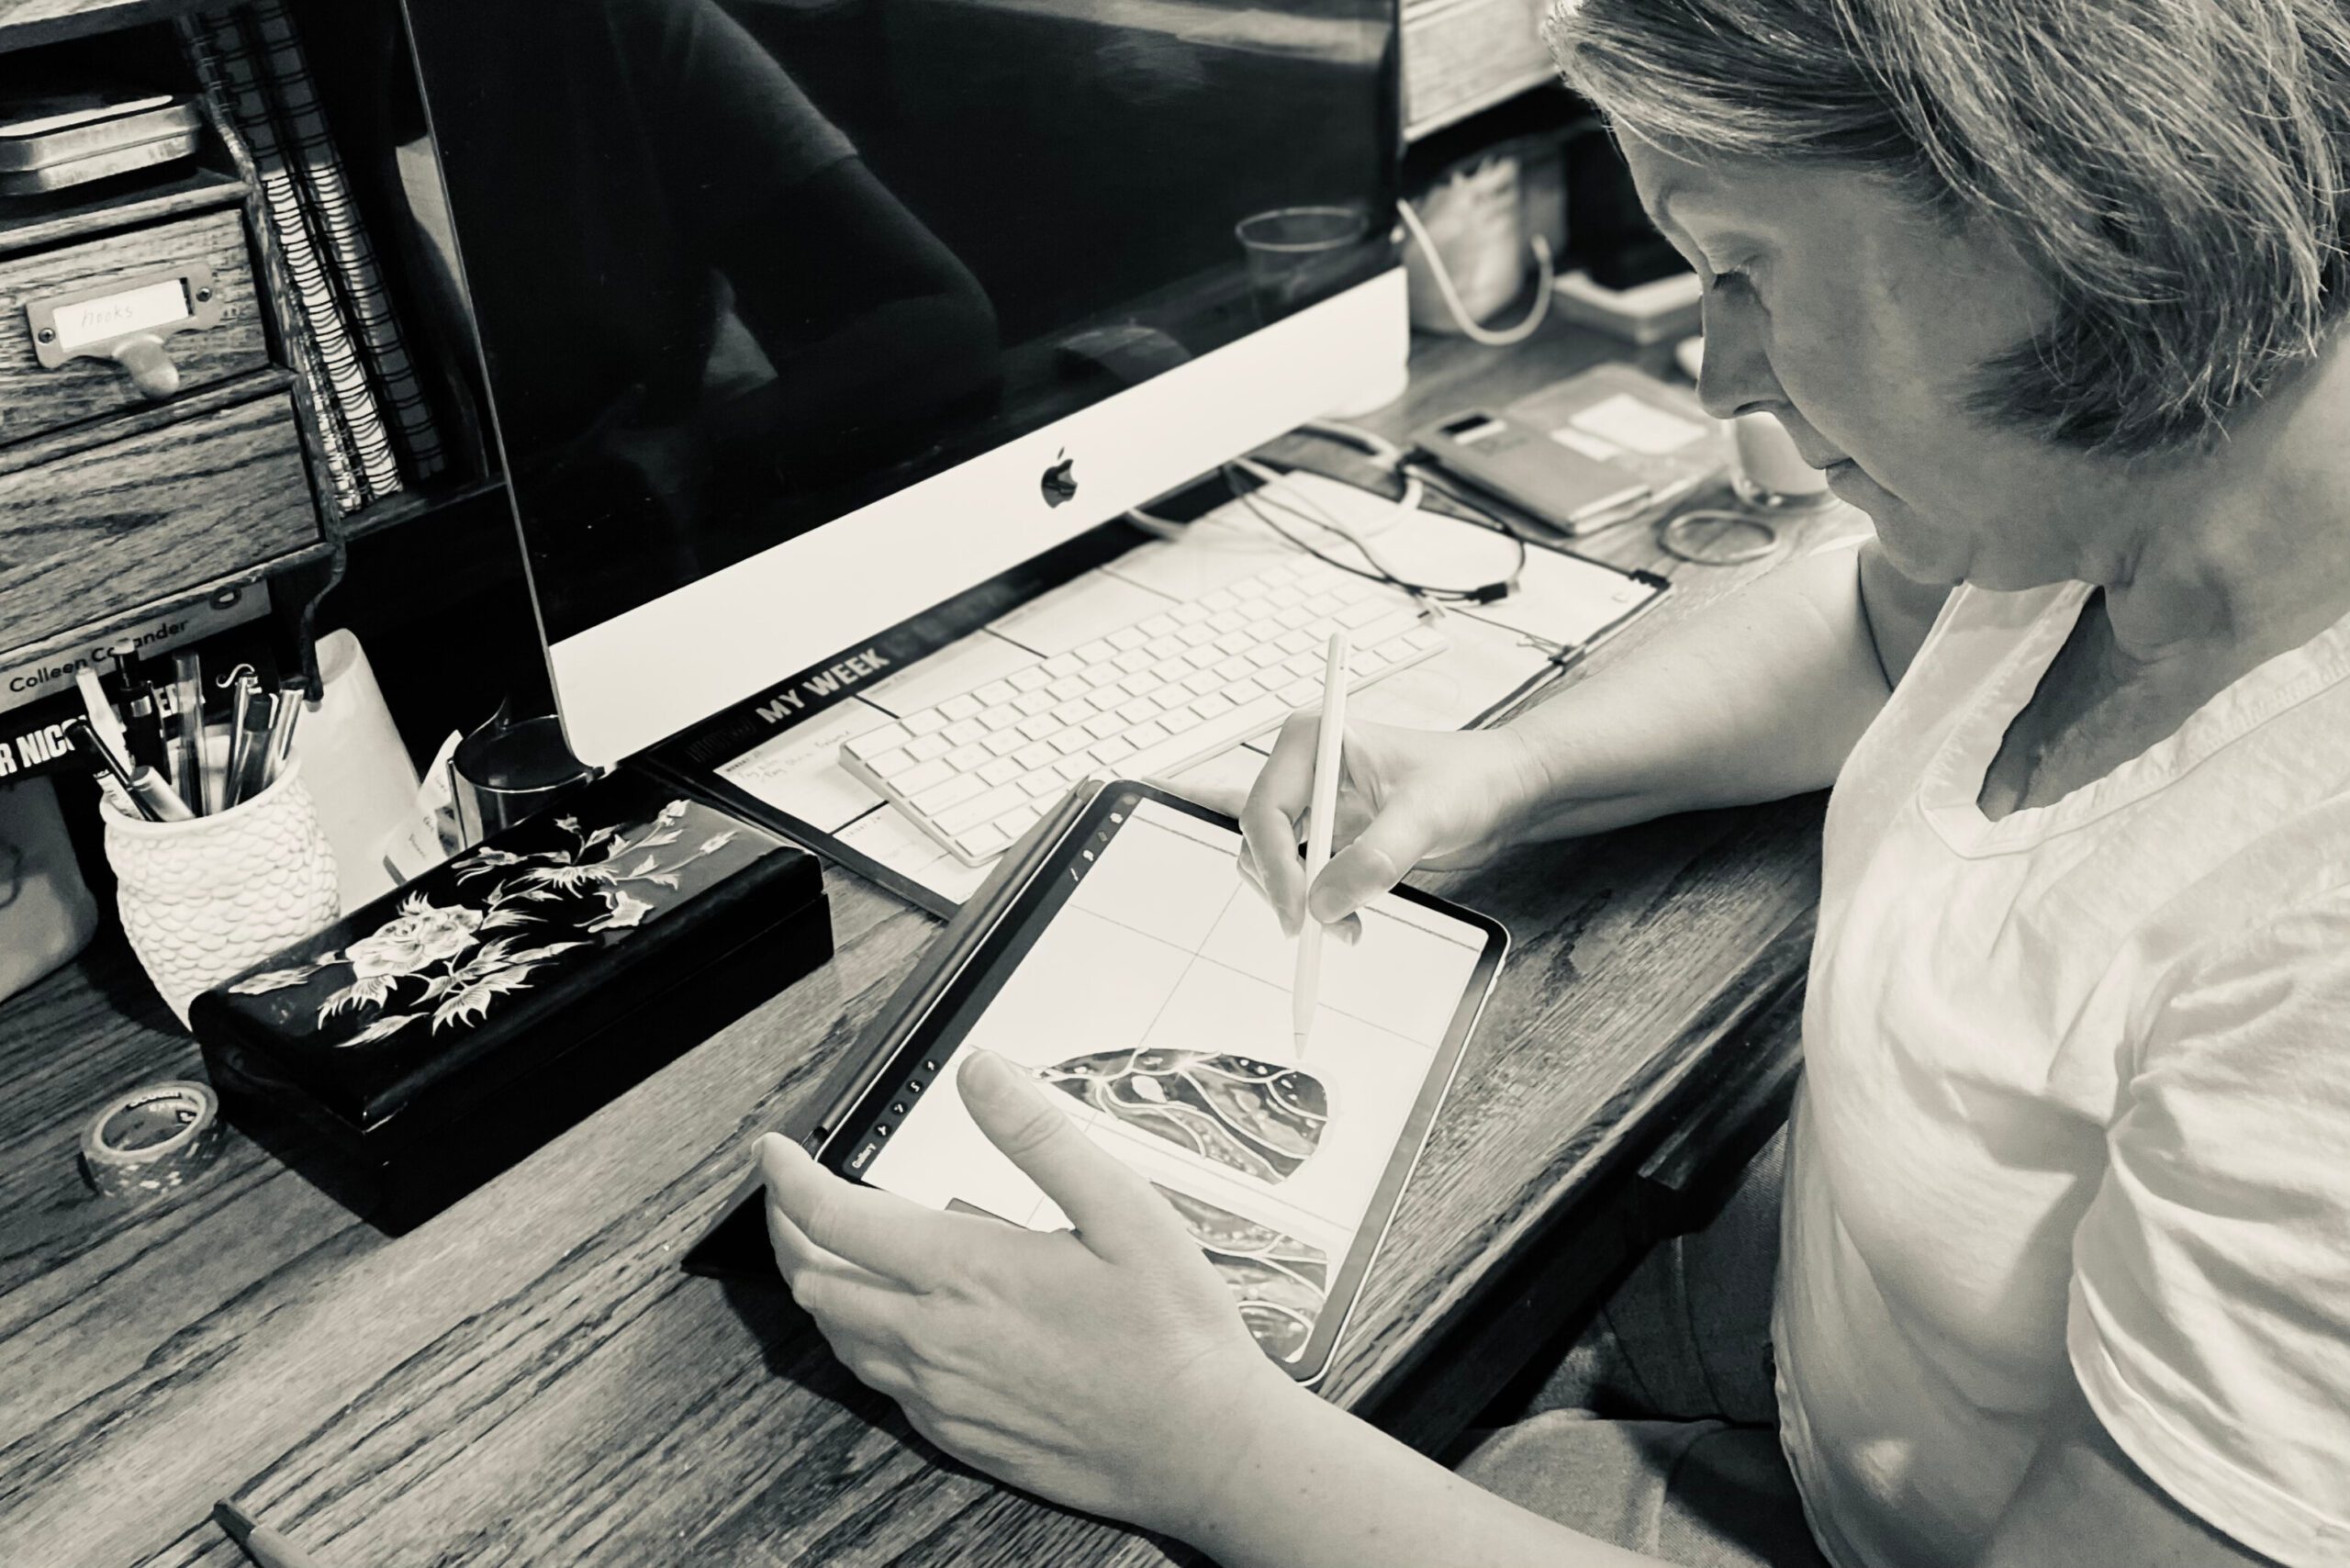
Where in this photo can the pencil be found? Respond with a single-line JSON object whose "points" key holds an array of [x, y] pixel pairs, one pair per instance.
{"points": [[263, 1545], [1327, 739]]}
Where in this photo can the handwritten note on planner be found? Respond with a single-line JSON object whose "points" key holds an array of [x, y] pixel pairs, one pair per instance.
{"points": [[1158, 1002]]}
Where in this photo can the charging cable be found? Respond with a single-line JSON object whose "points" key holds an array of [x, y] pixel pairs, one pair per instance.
{"points": [[1498, 338]]}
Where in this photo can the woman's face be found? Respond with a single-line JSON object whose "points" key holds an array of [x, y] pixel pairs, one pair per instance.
{"points": [[1860, 323]]}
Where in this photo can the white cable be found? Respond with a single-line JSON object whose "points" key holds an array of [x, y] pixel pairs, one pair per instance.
{"points": [[1499, 338]]}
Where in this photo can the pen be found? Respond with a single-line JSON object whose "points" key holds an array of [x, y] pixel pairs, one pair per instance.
{"points": [[146, 787], [249, 741], [187, 714], [263, 1544], [290, 702], [1327, 739]]}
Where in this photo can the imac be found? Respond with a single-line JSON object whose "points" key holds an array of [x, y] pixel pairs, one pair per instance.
{"points": [[800, 319]]}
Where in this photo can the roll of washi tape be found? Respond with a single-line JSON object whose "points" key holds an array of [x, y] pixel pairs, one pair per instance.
{"points": [[152, 1139]]}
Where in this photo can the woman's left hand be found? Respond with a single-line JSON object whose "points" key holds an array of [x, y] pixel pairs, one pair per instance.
{"points": [[1105, 1368]]}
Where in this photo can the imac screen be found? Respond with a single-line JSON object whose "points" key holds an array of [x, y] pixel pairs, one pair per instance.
{"points": [[741, 267]]}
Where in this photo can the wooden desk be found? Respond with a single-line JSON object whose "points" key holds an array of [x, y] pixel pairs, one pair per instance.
{"points": [[528, 1378]]}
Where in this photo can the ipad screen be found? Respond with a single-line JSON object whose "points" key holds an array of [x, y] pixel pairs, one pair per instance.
{"points": [[1154, 997]]}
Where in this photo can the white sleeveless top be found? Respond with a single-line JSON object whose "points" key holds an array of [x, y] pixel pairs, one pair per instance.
{"points": [[2076, 1105]]}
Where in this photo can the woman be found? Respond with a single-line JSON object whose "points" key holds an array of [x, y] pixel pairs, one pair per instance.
{"points": [[2050, 291]]}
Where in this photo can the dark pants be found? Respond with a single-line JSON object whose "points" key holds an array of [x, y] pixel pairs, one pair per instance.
{"points": [[1658, 1431]]}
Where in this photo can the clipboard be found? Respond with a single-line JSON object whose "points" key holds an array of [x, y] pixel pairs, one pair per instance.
{"points": [[1115, 954]]}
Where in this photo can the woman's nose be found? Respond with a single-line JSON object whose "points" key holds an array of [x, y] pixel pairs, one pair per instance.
{"points": [[1735, 377]]}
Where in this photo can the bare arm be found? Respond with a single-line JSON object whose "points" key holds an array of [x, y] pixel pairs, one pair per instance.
{"points": [[1761, 698]]}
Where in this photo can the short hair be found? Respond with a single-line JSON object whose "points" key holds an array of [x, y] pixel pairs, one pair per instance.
{"points": [[2176, 171]]}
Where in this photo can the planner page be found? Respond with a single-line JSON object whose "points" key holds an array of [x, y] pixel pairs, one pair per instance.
{"points": [[1156, 1003]]}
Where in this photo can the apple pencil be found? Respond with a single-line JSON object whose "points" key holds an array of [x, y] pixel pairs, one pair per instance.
{"points": [[1322, 809], [267, 1547]]}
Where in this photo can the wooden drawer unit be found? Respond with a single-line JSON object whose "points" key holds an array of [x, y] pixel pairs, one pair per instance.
{"points": [[126, 320], [97, 521]]}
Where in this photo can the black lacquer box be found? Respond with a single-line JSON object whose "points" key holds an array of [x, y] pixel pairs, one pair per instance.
{"points": [[410, 1051]]}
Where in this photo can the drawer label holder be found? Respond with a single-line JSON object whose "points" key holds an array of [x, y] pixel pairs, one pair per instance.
{"points": [[127, 321]]}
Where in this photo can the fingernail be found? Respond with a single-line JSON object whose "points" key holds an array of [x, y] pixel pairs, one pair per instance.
{"points": [[1325, 905], [777, 1156], [985, 1073]]}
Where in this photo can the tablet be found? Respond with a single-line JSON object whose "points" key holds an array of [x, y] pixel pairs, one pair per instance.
{"points": [[1148, 986]]}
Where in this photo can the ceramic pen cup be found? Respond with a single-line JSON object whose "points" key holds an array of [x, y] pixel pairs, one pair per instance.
{"points": [[207, 898]]}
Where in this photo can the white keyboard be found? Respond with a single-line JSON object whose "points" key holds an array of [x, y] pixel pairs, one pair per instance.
{"points": [[1174, 689]]}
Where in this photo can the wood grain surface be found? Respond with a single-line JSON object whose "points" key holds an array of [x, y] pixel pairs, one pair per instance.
{"points": [[528, 1378], [35, 398], [207, 488]]}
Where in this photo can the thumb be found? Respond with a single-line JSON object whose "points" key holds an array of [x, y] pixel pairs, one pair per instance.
{"points": [[1115, 1211], [1389, 846]]}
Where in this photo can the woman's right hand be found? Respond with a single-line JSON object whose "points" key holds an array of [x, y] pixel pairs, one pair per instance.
{"points": [[1441, 799]]}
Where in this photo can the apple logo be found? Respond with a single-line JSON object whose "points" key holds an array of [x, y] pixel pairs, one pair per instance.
{"points": [[1060, 483]]}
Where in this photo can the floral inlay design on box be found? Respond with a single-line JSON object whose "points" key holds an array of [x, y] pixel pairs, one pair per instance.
{"points": [[451, 962]]}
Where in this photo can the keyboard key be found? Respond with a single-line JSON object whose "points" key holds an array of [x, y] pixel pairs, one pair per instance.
{"points": [[1362, 613], [963, 732], [985, 808], [1244, 689], [1102, 726], [1141, 683], [1325, 603], [983, 841], [1132, 660], [1299, 641], [1151, 732], [1066, 687], [1165, 648], [1052, 670], [1069, 769], [1104, 675], [1073, 739], [964, 756], [1250, 587], [1001, 771], [928, 722], [1223, 599], [889, 764], [1095, 652], [1038, 727], [962, 705], [1236, 643], [1176, 720], [1139, 710], [1425, 637], [1003, 742], [1301, 693], [1159, 626], [948, 792], [1035, 756], [1264, 656], [996, 691], [1189, 613], [1168, 697], [1229, 623], [1114, 750], [1037, 786], [1232, 668], [1126, 637], [1288, 596], [1074, 712], [1200, 682], [922, 748], [1197, 634], [1214, 703], [873, 743], [913, 781], [1034, 702]]}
